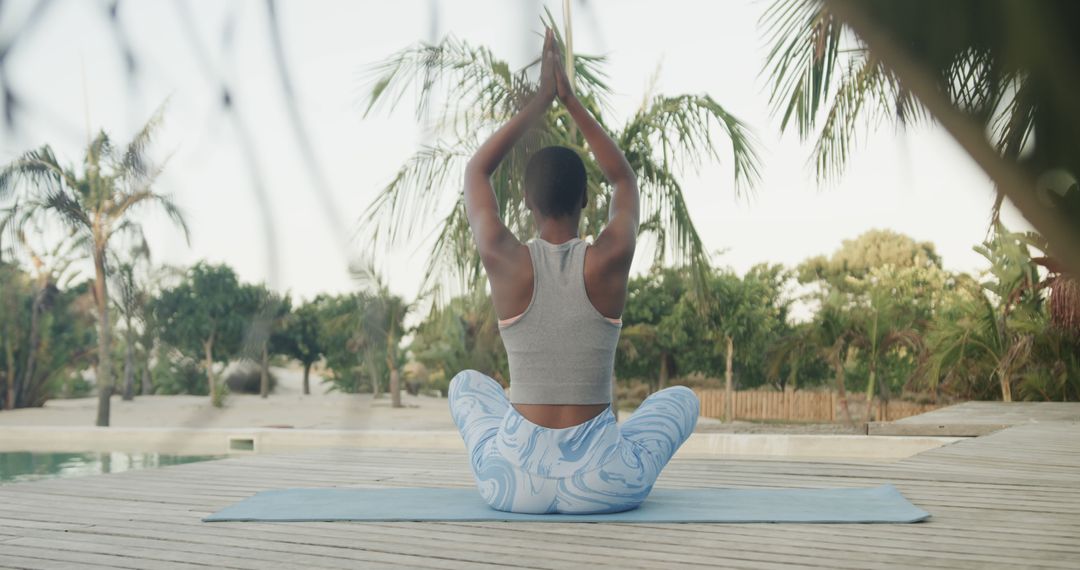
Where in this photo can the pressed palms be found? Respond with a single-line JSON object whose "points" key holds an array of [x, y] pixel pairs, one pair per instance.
{"points": [[478, 91], [99, 205]]}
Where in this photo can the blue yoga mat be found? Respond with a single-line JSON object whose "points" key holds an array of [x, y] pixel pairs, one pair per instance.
{"points": [[882, 504]]}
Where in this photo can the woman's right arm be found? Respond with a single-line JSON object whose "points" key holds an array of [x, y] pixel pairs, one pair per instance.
{"points": [[618, 239]]}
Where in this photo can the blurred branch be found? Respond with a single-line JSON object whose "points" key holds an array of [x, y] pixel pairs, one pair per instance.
{"points": [[303, 141], [1009, 177]]}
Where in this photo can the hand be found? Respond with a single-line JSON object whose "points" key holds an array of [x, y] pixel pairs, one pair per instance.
{"points": [[563, 89], [548, 64]]}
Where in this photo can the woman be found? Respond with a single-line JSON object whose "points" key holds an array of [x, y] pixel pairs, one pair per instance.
{"points": [[554, 445]]}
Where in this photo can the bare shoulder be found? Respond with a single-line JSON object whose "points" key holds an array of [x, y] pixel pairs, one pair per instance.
{"points": [[607, 271], [511, 278]]}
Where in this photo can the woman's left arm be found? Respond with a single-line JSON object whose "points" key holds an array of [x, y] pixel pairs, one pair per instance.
{"points": [[494, 240]]}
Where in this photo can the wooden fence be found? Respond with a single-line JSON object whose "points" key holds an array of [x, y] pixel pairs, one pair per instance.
{"points": [[805, 406]]}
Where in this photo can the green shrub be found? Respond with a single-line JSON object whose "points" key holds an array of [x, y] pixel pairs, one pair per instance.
{"points": [[438, 381], [631, 395], [248, 380], [178, 375]]}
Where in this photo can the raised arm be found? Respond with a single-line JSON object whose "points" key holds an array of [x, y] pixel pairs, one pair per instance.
{"points": [[495, 241], [618, 239]]}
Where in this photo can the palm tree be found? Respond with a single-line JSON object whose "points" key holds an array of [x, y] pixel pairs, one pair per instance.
{"points": [[300, 338], [462, 334], [132, 302], [828, 338], [383, 324], [265, 333], [98, 205], [990, 329], [992, 73], [10, 331], [877, 331], [50, 273], [480, 92], [820, 73], [794, 349]]}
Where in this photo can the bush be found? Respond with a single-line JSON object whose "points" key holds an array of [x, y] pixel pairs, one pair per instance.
{"points": [[437, 381], [178, 375], [631, 395], [247, 379]]}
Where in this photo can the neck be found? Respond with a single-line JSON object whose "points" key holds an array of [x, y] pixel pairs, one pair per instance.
{"points": [[559, 230]]}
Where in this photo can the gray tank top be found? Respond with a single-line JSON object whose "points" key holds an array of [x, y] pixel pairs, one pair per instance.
{"points": [[561, 350]]}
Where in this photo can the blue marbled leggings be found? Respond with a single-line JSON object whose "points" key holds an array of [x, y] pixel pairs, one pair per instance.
{"points": [[594, 467]]}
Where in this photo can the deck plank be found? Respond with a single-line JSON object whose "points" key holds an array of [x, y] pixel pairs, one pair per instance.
{"points": [[1008, 499]]}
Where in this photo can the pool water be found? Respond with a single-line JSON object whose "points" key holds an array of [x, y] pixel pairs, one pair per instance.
{"points": [[20, 466]]}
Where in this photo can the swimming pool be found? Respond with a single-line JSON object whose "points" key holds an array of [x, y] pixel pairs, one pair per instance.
{"points": [[20, 466]]}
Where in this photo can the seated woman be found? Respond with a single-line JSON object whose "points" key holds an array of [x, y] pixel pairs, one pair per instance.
{"points": [[554, 445]]}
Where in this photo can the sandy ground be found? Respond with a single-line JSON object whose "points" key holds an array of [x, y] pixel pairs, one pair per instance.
{"points": [[287, 406]]}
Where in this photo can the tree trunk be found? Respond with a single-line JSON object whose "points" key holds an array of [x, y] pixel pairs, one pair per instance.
{"points": [[842, 390], [729, 399], [208, 362], [147, 384], [883, 402], [307, 373], [871, 383], [104, 372], [395, 388], [662, 383], [264, 373], [870, 390], [1006, 387], [9, 353], [373, 371], [35, 340], [1004, 374], [129, 371]]}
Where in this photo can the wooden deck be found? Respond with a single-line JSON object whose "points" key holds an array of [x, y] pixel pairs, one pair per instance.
{"points": [[1009, 499], [978, 418]]}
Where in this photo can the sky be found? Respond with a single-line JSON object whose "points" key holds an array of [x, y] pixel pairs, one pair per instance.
{"points": [[69, 71]]}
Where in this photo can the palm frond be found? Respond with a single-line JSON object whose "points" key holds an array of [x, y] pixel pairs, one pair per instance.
{"points": [[132, 230], [69, 209], [125, 202], [97, 153], [134, 159], [37, 168], [454, 255], [476, 87], [662, 194], [863, 80], [682, 128], [805, 38], [410, 200]]}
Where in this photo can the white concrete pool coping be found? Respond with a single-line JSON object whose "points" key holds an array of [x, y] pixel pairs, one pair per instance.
{"points": [[191, 441]]}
